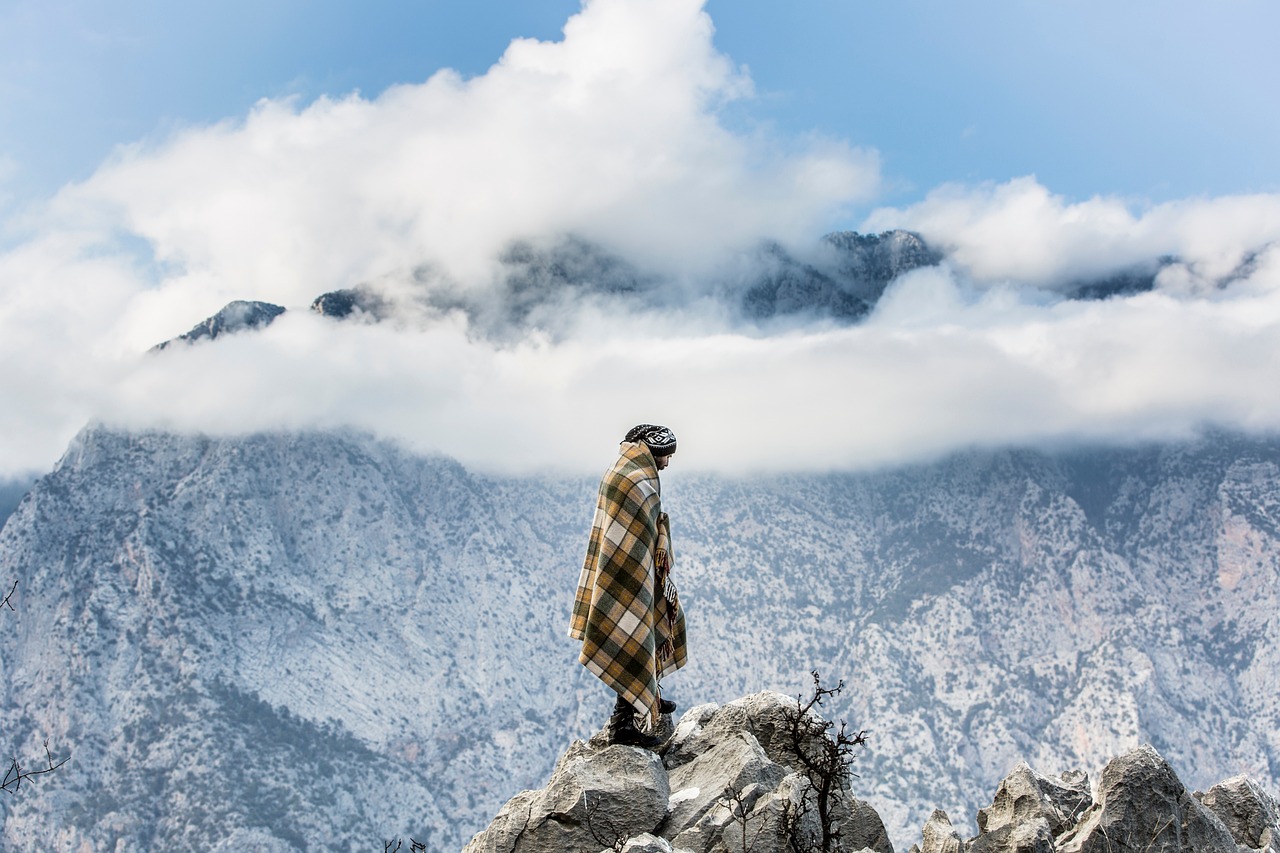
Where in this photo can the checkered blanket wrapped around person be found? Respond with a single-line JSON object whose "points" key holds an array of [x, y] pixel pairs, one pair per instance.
{"points": [[626, 611]]}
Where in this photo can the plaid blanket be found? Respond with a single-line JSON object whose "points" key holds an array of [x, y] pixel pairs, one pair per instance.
{"points": [[626, 611]]}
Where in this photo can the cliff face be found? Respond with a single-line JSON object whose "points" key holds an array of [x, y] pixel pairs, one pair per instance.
{"points": [[319, 636]]}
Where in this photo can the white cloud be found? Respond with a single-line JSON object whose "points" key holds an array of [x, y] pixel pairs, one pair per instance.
{"points": [[939, 366], [1020, 231], [611, 134]]}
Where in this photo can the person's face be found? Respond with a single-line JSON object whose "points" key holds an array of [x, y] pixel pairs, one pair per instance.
{"points": [[663, 461]]}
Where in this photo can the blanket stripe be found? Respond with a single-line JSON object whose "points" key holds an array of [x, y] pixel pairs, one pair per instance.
{"points": [[631, 627]]}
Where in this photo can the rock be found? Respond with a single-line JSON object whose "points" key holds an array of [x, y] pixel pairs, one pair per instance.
{"points": [[721, 790], [1250, 814], [736, 766], [595, 797], [762, 715], [1029, 811], [645, 843], [938, 836], [763, 719], [1142, 805], [736, 763], [862, 829], [663, 731], [1031, 837], [1025, 797]]}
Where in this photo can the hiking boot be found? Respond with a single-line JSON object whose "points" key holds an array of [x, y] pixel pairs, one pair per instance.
{"points": [[628, 735], [622, 730], [666, 706]]}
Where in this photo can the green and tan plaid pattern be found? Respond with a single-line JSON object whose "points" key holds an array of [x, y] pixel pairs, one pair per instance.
{"points": [[620, 613]]}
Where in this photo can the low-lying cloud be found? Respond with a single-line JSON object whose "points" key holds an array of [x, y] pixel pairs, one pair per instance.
{"points": [[1020, 232], [611, 136]]}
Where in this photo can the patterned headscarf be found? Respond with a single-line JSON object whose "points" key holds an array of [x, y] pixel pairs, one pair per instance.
{"points": [[661, 441]]}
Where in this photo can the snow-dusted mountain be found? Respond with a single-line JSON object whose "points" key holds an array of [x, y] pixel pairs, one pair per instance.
{"points": [[318, 641]]}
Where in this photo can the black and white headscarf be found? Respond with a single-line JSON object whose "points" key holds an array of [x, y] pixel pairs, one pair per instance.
{"points": [[661, 441]]}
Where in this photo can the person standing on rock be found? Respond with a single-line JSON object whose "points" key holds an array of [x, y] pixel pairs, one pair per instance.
{"points": [[626, 611]]}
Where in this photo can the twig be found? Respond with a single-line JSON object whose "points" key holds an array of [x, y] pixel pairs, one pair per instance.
{"points": [[13, 778]]}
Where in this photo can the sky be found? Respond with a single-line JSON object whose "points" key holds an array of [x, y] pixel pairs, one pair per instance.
{"points": [[159, 161]]}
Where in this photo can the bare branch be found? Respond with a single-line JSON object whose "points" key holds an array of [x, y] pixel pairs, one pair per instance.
{"points": [[13, 778], [825, 760]]}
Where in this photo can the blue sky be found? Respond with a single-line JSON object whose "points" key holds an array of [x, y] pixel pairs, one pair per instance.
{"points": [[1149, 100], [160, 160]]}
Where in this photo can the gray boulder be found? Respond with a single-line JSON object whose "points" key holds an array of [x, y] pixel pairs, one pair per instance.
{"points": [[595, 798], [736, 765], [939, 836], [765, 719], [1142, 805], [1250, 814], [1029, 811], [728, 781], [646, 843]]}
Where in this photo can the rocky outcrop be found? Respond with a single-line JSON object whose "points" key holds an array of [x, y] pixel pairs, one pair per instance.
{"points": [[727, 779], [1141, 806], [1248, 812]]}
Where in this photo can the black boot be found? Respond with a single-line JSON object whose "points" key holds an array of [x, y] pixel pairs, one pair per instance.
{"points": [[622, 728], [666, 706]]}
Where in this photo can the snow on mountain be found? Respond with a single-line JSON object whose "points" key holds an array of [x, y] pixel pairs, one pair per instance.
{"points": [[316, 641], [236, 316]]}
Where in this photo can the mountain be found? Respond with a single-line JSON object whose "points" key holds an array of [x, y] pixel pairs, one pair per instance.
{"points": [[315, 640], [840, 279], [11, 493], [844, 280], [236, 316]]}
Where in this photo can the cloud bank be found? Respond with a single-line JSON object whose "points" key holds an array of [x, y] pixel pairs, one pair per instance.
{"points": [[612, 135]]}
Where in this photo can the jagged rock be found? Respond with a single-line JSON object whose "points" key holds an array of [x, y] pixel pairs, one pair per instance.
{"points": [[1026, 797], [1251, 815], [234, 317], [1031, 837], [736, 764], [765, 719], [594, 798], [762, 715], [862, 829], [646, 843], [939, 836], [1142, 805], [723, 790]]}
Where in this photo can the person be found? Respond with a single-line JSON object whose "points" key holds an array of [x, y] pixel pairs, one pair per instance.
{"points": [[626, 610]]}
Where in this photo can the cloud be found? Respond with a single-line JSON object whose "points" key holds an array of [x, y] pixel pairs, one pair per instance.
{"points": [[939, 366], [1019, 231], [611, 135]]}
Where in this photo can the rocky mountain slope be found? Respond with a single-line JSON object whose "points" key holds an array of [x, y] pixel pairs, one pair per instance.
{"points": [[313, 641]]}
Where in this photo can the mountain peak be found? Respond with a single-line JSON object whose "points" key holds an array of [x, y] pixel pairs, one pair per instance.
{"points": [[234, 317]]}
